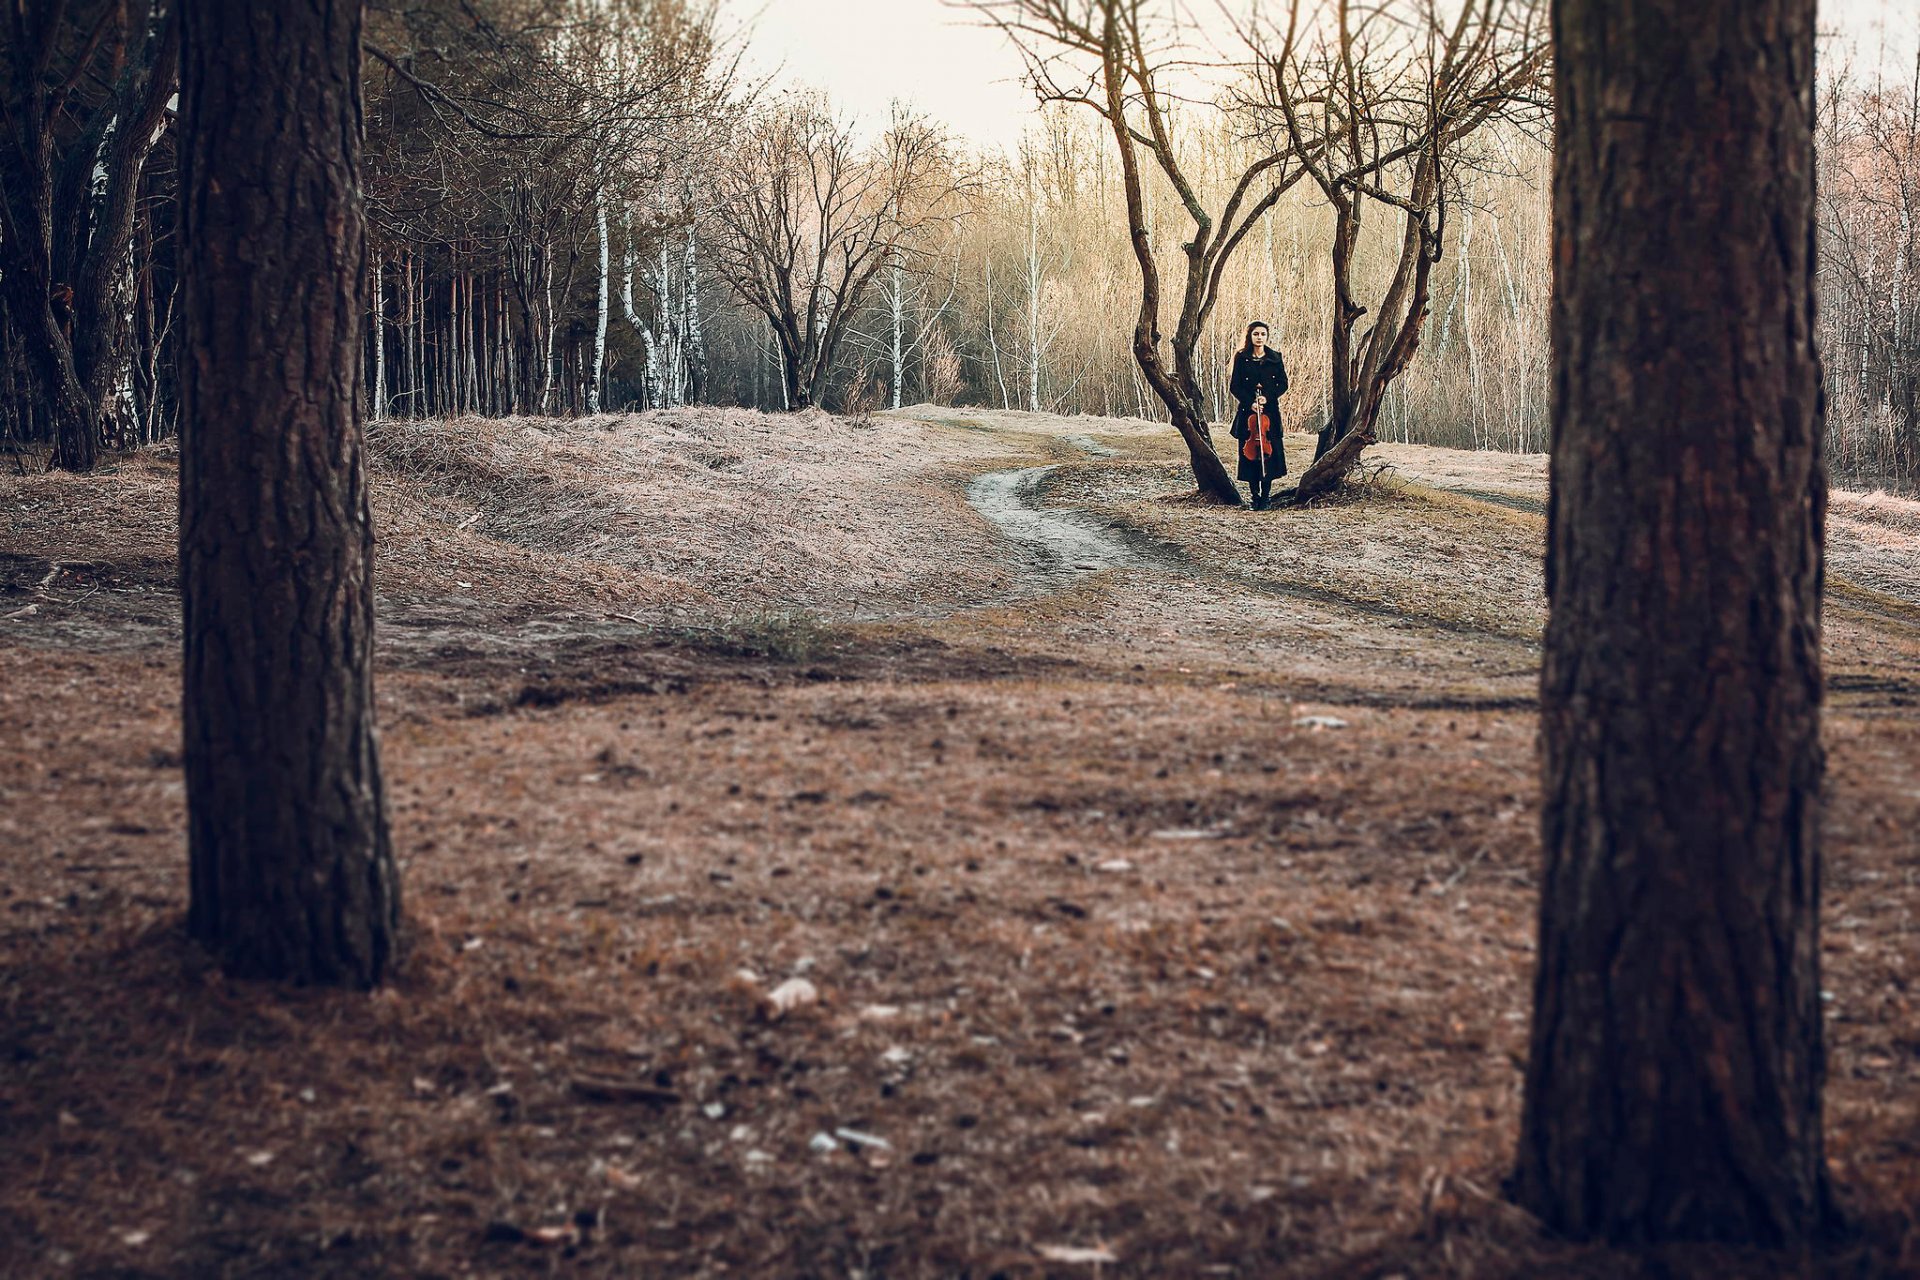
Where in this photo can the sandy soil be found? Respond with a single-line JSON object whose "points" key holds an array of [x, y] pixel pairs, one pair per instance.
{"points": [[1164, 874]]}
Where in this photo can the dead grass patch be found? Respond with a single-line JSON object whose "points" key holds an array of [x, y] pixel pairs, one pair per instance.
{"points": [[1171, 916]]}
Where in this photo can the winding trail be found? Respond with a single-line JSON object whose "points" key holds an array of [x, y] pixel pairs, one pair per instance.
{"points": [[1055, 543]]}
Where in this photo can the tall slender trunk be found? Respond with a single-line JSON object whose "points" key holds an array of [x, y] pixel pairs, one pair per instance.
{"points": [[411, 328], [145, 336], [103, 294], [1516, 385], [549, 352], [377, 318], [473, 326], [1034, 281], [292, 869], [897, 304], [600, 310], [787, 374], [673, 371], [695, 338], [650, 379], [1476, 393], [993, 342], [450, 348]]}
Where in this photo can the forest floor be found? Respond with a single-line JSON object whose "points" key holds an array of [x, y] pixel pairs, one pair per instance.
{"points": [[1159, 879]]}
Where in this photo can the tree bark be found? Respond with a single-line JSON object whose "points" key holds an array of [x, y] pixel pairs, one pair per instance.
{"points": [[600, 309], [379, 322], [50, 356], [293, 874], [696, 340], [897, 312], [1182, 400], [57, 236], [103, 302], [1673, 1088]]}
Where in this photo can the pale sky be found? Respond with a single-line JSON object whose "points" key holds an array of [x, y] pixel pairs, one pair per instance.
{"points": [[867, 53], [938, 58]]}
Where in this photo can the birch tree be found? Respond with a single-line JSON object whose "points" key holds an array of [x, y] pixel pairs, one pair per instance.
{"points": [[600, 311]]}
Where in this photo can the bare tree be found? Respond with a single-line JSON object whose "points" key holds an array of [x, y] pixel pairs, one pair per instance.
{"points": [[1870, 274], [1378, 105], [806, 215], [1115, 58], [1673, 1083], [673, 350], [905, 316]]}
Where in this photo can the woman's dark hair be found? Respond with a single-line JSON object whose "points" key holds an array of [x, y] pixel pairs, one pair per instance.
{"points": [[1246, 346]]}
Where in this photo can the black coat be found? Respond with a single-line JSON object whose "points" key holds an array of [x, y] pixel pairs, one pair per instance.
{"points": [[1267, 374]]}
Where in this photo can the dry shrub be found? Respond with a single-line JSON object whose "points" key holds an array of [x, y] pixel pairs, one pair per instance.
{"points": [[941, 367], [774, 635], [862, 396]]}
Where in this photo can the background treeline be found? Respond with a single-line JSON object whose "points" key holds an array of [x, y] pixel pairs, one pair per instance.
{"points": [[581, 205]]}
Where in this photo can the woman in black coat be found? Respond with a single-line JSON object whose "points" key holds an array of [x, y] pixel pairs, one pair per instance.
{"points": [[1259, 379]]}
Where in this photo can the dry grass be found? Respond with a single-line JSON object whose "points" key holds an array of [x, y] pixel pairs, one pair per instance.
{"points": [[738, 510], [1114, 949]]}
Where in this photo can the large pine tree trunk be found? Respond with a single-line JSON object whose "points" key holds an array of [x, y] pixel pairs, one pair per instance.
{"points": [[292, 872], [1673, 1089]]}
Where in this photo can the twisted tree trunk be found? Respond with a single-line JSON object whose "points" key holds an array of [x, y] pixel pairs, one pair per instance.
{"points": [[103, 297], [1177, 388]]}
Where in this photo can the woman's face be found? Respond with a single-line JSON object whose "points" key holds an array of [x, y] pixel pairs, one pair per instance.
{"points": [[1258, 337]]}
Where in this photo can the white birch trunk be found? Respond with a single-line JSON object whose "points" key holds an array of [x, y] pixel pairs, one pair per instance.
{"points": [[897, 302], [1034, 282], [673, 371], [413, 348], [780, 372], [475, 340], [600, 314], [1476, 398], [649, 376], [993, 343], [690, 309], [1902, 263], [551, 355], [1520, 343], [379, 339], [1866, 323]]}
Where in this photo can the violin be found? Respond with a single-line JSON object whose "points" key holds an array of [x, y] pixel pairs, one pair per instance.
{"points": [[1258, 446]]}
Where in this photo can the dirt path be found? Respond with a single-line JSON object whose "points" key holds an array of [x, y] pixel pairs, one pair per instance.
{"points": [[1051, 542], [1163, 875]]}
